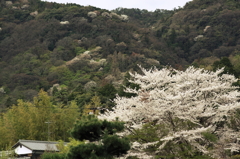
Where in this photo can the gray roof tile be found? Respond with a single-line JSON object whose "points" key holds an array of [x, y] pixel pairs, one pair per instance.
{"points": [[38, 145]]}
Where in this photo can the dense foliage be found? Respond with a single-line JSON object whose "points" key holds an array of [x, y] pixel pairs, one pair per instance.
{"points": [[37, 50], [101, 132]]}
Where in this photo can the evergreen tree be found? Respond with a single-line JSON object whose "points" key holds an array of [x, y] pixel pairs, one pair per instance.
{"points": [[104, 143], [226, 64]]}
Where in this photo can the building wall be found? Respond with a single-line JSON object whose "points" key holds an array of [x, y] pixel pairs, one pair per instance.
{"points": [[22, 150]]}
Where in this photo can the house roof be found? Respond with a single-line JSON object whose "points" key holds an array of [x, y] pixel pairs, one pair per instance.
{"points": [[38, 145]]}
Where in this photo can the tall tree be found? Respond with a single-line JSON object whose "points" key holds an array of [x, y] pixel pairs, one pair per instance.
{"points": [[187, 103]]}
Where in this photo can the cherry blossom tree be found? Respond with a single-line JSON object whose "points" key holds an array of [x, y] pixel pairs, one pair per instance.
{"points": [[190, 103]]}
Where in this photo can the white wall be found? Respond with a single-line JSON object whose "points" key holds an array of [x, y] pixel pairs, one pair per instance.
{"points": [[20, 150]]}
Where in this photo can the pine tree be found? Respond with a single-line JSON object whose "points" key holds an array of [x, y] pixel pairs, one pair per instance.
{"points": [[104, 143]]}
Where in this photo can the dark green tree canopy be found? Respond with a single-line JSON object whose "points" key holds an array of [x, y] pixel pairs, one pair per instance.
{"points": [[101, 132], [92, 129]]}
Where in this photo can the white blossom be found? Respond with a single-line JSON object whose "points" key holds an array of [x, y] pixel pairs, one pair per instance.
{"points": [[194, 95]]}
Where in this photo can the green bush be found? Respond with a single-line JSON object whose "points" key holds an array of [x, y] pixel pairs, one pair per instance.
{"points": [[51, 155], [79, 50]]}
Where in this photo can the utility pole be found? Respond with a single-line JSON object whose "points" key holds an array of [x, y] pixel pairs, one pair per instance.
{"points": [[48, 122]]}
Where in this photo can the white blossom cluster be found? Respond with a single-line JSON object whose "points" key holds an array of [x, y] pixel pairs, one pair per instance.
{"points": [[196, 95]]}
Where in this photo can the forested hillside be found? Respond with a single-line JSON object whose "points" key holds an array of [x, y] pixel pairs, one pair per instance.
{"points": [[82, 55], [42, 43]]}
